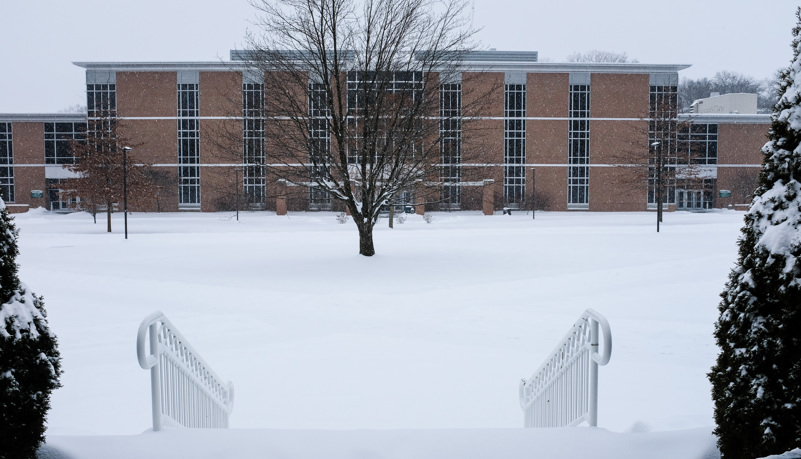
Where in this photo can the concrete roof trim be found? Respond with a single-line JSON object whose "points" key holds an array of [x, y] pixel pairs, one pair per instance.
{"points": [[43, 117], [466, 66], [569, 67], [162, 66], [727, 118]]}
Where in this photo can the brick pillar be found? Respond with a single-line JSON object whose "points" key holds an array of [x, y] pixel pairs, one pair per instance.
{"points": [[488, 201], [419, 192], [280, 199]]}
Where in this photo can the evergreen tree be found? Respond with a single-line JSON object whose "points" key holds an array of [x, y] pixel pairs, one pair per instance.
{"points": [[30, 364], [756, 381]]}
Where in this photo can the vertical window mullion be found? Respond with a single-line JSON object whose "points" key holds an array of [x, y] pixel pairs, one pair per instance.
{"points": [[6, 163], [578, 147], [320, 144], [663, 97], [451, 144], [188, 146], [514, 144], [253, 155]]}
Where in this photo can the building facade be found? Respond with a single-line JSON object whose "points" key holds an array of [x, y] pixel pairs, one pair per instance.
{"points": [[553, 136]]}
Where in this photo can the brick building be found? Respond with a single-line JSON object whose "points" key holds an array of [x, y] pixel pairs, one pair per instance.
{"points": [[560, 136]]}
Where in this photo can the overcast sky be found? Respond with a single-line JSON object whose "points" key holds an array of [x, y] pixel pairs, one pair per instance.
{"points": [[41, 38]]}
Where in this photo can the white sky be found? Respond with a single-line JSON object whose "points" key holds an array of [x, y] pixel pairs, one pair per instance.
{"points": [[41, 38]]}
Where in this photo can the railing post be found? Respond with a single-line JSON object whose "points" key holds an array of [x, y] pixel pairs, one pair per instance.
{"points": [[155, 376], [186, 389], [592, 416]]}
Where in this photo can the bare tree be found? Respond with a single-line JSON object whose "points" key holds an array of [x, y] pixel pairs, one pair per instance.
{"points": [[599, 56], [663, 155], [691, 90], [662, 147], [74, 108], [727, 82], [101, 168], [159, 184], [352, 95], [743, 185]]}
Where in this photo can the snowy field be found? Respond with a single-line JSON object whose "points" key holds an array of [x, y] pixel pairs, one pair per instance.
{"points": [[416, 349]]}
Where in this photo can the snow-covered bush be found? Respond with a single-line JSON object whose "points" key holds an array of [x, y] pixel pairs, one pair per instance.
{"points": [[794, 454], [428, 218], [342, 218], [756, 381], [401, 218], [30, 364]]}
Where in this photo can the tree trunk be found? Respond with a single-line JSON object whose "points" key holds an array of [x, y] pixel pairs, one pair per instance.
{"points": [[108, 217], [366, 247]]}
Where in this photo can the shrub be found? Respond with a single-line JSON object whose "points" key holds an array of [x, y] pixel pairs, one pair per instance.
{"points": [[30, 364]]}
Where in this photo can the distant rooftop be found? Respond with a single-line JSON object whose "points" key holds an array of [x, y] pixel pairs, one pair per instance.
{"points": [[732, 103], [502, 56], [247, 55], [471, 56]]}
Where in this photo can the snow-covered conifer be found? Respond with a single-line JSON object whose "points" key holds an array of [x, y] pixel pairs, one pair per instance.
{"points": [[756, 381], [30, 364]]}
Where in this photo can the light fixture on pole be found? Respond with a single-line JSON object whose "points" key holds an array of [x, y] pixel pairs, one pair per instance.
{"points": [[125, 151]]}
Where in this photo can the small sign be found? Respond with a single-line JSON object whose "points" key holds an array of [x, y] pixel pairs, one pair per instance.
{"points": [[37, 194], [724, 193]]}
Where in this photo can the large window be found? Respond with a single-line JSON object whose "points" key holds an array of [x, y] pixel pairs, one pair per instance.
{"points": [[188, 146], [514, 176], [6, 163], [450, 133], [698, 143], [320, 145], [695, 194], [54, 197], [253, 149], [695, 182], [363, 90], [662, 141], [58, 138], [101, 100], [578, 179]]}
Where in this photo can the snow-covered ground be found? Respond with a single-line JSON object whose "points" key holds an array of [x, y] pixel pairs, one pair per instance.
{"points": [[418, 348]]}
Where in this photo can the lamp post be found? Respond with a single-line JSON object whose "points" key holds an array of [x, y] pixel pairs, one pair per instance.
{"points": [[533, 193], [236, 190], [125, 151], [658, 146]]}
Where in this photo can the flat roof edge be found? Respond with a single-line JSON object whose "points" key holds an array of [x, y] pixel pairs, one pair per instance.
{"points": [[466, 65], [160, 66], [568, 67], [727, 118], [35, 117]]}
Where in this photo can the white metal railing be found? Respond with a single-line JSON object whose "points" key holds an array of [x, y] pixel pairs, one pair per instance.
{"points": [[185, 391], [564, 389]]}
